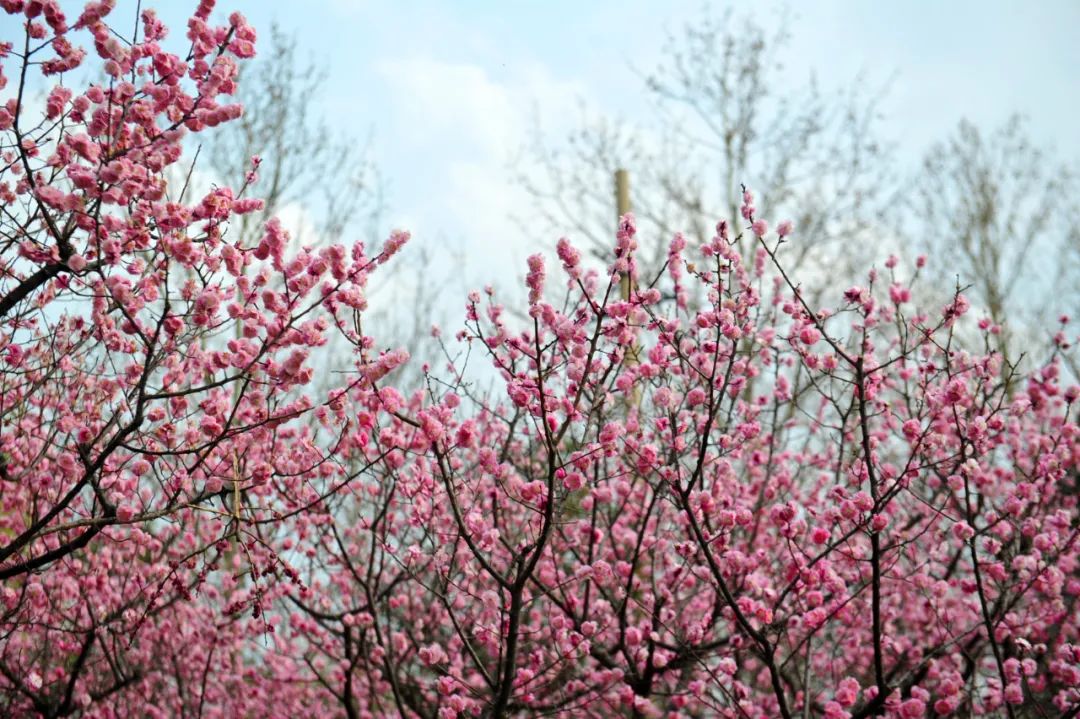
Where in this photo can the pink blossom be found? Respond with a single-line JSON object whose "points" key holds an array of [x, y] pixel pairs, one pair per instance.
{"points": [[535, 279]]}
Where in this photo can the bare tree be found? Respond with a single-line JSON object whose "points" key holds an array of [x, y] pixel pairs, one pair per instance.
{"points": [[1001, 214], [304, 161], [812, 156]]}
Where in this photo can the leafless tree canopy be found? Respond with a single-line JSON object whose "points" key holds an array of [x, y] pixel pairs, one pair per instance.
{"points": [[999, 212], [813, 156], [303, 160]]}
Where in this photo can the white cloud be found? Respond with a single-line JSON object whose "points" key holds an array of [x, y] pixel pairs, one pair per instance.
{"points": [[470, 122]]}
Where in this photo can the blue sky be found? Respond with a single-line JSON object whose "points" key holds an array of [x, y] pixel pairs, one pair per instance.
{"points": [[450, 89]]}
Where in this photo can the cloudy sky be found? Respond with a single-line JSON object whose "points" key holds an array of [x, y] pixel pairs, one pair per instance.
{"points": [[451, 89]]}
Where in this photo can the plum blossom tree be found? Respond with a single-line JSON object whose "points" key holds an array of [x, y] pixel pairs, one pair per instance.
{"points": [[153, 376], [775, 510], [744, 506]]}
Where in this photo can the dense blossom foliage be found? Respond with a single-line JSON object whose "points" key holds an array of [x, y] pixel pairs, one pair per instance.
{"points": [[153, 418], [702, 497]]}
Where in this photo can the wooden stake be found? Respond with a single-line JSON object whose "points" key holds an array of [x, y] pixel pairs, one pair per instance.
{"points": [[626, 285], [622, 206]]}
